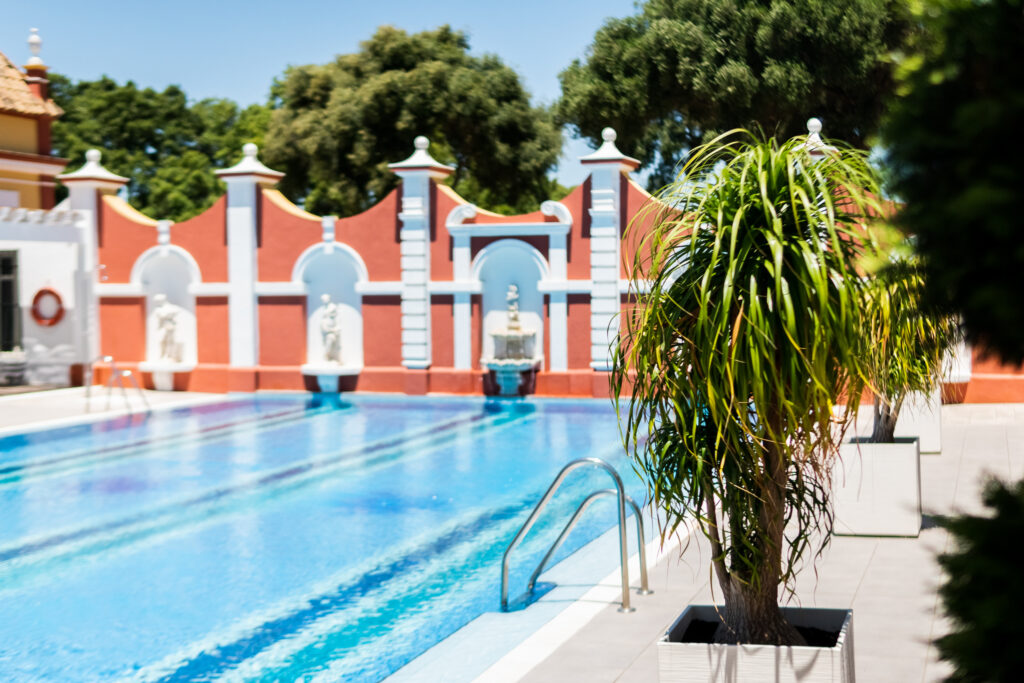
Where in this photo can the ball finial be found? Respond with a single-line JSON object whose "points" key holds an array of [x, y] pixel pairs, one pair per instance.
{"points": [[34, 44], [421, 142], [609, 135], [814, 126], [250, 149], [93, 156]]}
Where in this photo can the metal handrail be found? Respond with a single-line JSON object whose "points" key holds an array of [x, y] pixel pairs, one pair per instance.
{"points": [[644, 589], [620, 494], [88, 376], [116, 377]]}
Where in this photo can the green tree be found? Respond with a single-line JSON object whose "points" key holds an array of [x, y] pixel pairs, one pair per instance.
{"points": [[336, 126], [951, 138], [165, 146], [983, 592], [681, 71]]}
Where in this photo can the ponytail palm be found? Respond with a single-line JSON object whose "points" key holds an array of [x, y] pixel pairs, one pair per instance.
{"points": [[908, 344], [736, 356]]}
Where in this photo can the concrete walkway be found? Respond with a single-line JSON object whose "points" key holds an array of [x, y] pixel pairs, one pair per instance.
{"points": [[890, 583], [58, 407]]}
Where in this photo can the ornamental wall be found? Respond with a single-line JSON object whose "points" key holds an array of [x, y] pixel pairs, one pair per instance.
{"points": [[417, 282]]}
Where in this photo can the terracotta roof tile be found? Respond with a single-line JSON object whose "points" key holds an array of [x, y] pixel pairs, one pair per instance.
{"points": [[15, 95]]}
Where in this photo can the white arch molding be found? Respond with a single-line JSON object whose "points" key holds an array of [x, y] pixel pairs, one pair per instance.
{"points": [[172, 271], [498, 265], [335, 269]]}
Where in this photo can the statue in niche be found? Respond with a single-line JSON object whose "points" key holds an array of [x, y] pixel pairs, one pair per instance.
{"points": [[166, 315], [512, 298], [330, 329]]}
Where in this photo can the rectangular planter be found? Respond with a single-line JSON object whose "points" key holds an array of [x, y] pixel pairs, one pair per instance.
{"points": [[921, 416], [876, 488], [692, 662]]}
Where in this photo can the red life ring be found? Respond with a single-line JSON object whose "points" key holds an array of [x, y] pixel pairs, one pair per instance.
{"points": [[37, 306]]}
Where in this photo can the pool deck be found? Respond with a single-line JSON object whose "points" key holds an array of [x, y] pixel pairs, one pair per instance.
{"points": [[59, 407], [890, 583]]}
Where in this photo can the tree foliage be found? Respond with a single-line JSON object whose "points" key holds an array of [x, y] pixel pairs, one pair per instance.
{"points": [[950, 138], [336, 126], [983, 594], [167, 147], [736, 357], [681, 71]]}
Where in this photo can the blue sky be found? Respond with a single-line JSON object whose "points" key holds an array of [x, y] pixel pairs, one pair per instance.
{"points": [[232, 49]]}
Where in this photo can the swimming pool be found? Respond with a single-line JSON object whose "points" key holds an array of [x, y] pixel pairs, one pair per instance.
{"points": [[278, 537]]}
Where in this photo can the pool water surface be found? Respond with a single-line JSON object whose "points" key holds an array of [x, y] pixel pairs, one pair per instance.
{"points": [[279, 537]]}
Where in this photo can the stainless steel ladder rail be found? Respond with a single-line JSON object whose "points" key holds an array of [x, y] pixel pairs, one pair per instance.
{"points": [[623, 553], [571, 524], [116, 377]]}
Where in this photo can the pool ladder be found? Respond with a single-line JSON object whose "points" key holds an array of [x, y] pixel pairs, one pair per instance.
{"points": [[623, 500], [117, 376]]}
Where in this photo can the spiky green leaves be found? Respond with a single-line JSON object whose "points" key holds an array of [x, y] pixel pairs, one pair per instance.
{"points": [[749, 337]]}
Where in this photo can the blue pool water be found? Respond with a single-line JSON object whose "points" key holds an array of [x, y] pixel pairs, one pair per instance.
{"points": [[278, 537]]}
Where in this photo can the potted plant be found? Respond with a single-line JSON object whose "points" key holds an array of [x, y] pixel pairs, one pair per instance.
{"points": [[878, 477], [730, 368]]}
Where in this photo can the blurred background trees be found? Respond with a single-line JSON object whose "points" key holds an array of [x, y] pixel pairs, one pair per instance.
{"points": [[679, 72]]}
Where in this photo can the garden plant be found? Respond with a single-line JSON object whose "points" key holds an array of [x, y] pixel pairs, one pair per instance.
{"points": [[746, 339], [905, 345]]}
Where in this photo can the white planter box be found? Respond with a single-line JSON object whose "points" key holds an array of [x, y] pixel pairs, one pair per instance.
{"points": [[698, 662], [921, 416], [877, 489]]}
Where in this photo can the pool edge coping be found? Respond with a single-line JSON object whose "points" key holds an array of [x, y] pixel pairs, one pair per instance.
{"points": [[538, 646]]}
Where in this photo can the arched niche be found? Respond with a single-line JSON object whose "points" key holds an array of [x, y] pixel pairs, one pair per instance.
{"points": [[511, 262], [169, 271], [332, 269]]}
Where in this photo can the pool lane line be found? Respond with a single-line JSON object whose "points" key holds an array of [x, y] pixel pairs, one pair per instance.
{"points": [[278, 477], [26, 470], [226, 656]]}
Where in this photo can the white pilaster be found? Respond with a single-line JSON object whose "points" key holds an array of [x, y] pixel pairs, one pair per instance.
{"points": [[416, 173], [244, 181], [606, 165], [85, 187]]}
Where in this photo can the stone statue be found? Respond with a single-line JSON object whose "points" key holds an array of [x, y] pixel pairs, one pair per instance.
{"points": [[512, 297], [330, 328], [166, 315]]}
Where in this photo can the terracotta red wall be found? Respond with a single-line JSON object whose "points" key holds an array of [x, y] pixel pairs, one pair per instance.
{"points": [[374, 234], [121, 241], [440, 240], [282, 330], [205, 237], [578, 240], [123, 328], [477, 322], [637, 204], [212, 329], [382, 331], [282, 237], [579, 331], [442, 331]]}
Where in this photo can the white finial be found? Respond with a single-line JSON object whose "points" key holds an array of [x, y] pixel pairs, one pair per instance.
{"points": [[421, 159], [608, 152], [34, 43], [250, 149], [93, 156], [814, 145]]}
